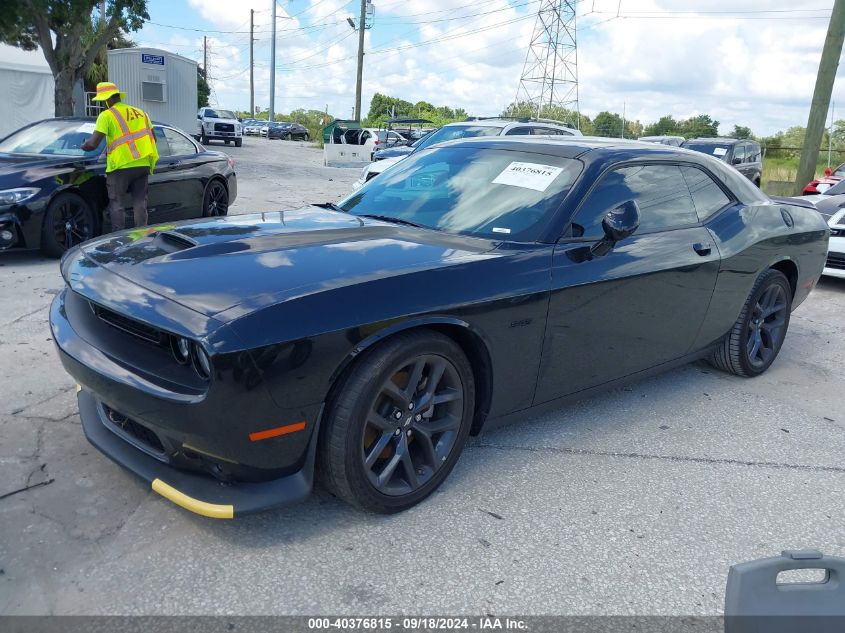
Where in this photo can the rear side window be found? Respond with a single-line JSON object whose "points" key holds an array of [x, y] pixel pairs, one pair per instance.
{"points": [[707, 196], [660, 191], [518, 131]]}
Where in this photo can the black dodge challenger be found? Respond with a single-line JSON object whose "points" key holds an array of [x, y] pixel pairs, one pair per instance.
{"points": [[226, 361], [53, 194]]}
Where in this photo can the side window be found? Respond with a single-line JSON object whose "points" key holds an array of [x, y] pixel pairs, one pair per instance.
{"points": [[739, 152], [518, 131], [162, 146], [660, 191], [546, 131], [752, 153], [707, 196], [180, 145]]}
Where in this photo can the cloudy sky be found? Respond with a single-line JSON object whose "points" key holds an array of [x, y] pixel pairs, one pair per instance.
{"points": [[747, 62]]}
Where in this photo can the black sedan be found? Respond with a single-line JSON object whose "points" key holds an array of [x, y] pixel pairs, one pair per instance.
{"points": [[288, 131], [53, 194], [471, 283]]}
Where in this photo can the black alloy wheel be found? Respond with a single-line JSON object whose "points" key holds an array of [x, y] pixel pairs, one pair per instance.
{"points": [[767, 325], [216, 200], [412, 425], [755, 340], [68, 221], [399, 423]]}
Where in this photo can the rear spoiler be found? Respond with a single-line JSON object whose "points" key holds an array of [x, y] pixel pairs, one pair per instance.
{"points": [[796, 202]]}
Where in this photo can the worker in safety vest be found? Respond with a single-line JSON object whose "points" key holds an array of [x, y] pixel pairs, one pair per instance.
{"points": [[132, 153]]}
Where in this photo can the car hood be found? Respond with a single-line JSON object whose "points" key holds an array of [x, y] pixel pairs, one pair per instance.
{"points": [[379, 166], [243, 263]]}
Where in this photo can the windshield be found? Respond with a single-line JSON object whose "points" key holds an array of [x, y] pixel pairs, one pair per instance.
{"points": [[53, 137], [714, 149], [452, 132], [489, 193], [220, 114], [839, 173]]}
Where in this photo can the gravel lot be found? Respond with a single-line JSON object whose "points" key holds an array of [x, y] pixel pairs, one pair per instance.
{"points": [[635, 502]]}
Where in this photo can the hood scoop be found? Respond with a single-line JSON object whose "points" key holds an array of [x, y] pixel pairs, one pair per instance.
{"points": [[172, 242]]}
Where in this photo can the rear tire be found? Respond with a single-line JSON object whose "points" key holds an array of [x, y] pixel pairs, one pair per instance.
{"points": [[758, 334], [377, 461], [68, 221], [215, 202]]}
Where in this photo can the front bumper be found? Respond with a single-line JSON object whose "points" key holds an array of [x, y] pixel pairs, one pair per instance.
{"points": [[195, 492], [835, 264], [195, 445]]}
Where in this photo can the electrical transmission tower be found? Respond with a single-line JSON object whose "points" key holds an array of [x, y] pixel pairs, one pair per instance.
{"points": [[550, 74]]}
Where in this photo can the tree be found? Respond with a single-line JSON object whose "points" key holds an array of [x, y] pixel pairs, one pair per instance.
{"points": [[607, 124], [30, 24], [740, 131], [203, 89], [665, 126], [699, 126], [99, 70]]}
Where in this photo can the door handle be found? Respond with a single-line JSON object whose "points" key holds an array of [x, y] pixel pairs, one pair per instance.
{"points": [[702, 248]]}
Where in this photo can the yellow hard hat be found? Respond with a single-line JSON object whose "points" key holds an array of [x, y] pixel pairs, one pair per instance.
{"points": [[106, 89]]}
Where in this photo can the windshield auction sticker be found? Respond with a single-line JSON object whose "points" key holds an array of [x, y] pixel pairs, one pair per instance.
{"points": [[528, 176], [720, 151]]}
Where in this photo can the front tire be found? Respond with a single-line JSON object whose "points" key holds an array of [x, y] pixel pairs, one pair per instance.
{"points": [[203, 139], [397, 427], [757, 336], [238, 142], [68, 221], [306, 138]]}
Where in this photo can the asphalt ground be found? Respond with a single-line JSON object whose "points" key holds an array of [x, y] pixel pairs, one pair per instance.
{"points": [[633, 502]]}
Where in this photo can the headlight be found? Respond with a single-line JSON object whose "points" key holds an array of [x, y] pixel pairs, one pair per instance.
{"points": [[365, 171], [202, 363], [209, 126], [16, 196]]}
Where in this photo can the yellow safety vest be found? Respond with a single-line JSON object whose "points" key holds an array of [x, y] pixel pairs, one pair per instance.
{"points": [[129, 138]]}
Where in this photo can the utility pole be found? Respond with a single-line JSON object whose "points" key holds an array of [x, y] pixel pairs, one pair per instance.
{"points": [[830, 132], [623, 119], [821, 95], [205, 58], [271, 112], [102, 12], [251, 81], [361, 24]]}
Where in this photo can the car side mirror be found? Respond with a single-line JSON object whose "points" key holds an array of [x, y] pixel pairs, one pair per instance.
{"points": [[199, 116], [736, 161], [618, 224]]}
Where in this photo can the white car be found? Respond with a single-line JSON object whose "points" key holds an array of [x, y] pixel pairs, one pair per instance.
{"points": [[831, 204], [254, 128], [218, 125], [467, 129]]}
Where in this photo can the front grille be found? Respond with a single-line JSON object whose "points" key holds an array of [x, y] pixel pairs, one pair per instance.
{"points": [[224, 127], [130, 326], [138, 431], [835, 260]]}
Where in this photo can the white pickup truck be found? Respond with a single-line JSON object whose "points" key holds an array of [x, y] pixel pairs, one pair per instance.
{"points": [[218, 125]]}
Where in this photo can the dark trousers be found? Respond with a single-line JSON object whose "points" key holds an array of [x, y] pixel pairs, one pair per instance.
{"points": [[127, 182]]}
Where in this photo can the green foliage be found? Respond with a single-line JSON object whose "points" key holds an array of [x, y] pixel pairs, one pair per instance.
{"points": [[203, 89], [554, 113], [65, 31], [740, 131], [607, 124], [99, 70], [383, 107]]}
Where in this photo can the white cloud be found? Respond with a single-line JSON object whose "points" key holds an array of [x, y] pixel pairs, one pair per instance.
{"points": [[657, 57]]}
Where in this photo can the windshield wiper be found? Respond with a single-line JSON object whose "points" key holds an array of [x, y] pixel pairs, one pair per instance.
{"points": [[389, 218], [329, 205]]}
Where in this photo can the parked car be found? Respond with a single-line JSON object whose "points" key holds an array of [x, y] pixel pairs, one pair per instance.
{"points": [[821, 185], [288, 131], [53, 194], [218, 125], [399, 151], [831, 205], [253, 128], [366, 340], [675, 141], [746, 156], [469, 129]]}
